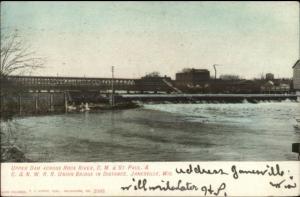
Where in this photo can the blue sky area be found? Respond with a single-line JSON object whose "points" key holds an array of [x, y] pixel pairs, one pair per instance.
{"points": [[87, 38]]}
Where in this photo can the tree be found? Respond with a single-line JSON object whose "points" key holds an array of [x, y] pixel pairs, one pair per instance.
{"points": [[16, 56], [187, 70], [153, 74]]}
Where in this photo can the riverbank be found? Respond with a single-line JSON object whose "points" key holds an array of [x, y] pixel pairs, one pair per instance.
{"points": [[10, 152]]}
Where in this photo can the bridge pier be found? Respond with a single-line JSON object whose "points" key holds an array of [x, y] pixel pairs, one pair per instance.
{"points": [[66, 101], [36, 99], [51, 102], [2, 102], [20, 103]]}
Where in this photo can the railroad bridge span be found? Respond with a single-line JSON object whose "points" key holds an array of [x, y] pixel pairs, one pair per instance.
{"points": [[47, 83], [39, 83]]}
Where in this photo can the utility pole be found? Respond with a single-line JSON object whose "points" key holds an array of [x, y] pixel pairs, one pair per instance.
{"points": [[215, 70], [112, 86]]}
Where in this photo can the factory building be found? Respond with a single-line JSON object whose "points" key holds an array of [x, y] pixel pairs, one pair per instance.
{"points": [[296, 76], [192, 76]]}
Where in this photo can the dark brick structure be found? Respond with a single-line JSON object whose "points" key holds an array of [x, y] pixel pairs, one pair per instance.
{"points": [[193, 77]]}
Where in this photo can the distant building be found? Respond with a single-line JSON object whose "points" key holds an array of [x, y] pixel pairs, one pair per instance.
{"points": [[269, 76], [192, 77], [296, 76], [235, 86]]}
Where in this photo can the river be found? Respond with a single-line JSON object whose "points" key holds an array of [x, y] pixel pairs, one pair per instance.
{"points": [[164, 132]]}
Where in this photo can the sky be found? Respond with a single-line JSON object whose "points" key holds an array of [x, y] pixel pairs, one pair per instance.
{"points": [[88, 38]]}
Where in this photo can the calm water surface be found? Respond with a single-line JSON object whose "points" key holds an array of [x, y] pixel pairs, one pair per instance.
{"points": [[165, 132]]}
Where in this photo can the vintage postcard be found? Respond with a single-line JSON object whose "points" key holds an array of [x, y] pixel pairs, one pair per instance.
{"points": [[150, 98]]}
